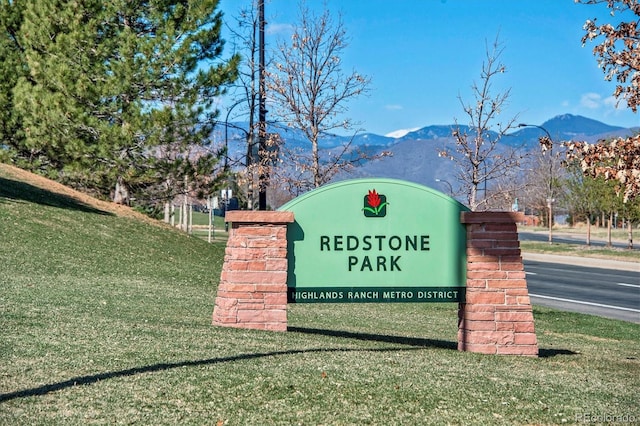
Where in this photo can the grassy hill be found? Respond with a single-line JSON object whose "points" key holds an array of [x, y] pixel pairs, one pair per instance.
{"points": [[105, 317]]}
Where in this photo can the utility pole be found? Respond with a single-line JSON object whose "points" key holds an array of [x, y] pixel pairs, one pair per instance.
{"points": [[262, 115]]}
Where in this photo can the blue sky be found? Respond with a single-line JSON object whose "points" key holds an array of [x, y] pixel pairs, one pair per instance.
{"points": [[422, 54]]}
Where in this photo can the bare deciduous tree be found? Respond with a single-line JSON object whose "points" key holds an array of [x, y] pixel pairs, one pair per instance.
{"points": [[310, 91], [246, 98], [479, 157]]}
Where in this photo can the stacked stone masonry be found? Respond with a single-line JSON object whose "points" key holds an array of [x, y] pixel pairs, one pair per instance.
{"points": [[497, 317], [253, 284]]}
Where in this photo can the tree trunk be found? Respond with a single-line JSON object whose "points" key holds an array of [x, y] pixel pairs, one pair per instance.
{"points": [[167, 212], [121, 193], [316, 160], [630, 234], [588, 231], [609, 224]]}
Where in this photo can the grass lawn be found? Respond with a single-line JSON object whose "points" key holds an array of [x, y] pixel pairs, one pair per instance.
{"points": [[105, 318]]}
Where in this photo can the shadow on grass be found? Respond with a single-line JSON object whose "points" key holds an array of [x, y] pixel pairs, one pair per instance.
{"points": [[550, 353], [22, 191], [415, 343], [94, 378], [411, 341]]}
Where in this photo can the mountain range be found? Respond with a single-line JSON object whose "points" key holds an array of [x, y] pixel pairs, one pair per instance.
{"points": [[414, 156]]}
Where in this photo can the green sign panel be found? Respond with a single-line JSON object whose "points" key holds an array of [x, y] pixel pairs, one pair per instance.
{"points": [[376, 240]]}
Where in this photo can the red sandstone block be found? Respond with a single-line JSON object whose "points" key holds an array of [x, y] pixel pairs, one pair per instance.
{"points": [[472, 227], [237, 295], [276, 264], [501, 227], [512, 275], [508, 244], [256, 265], [253, 298], [275, 252], [486, 275], [481, 258], [262, 316], [250, 316], [501, 251], [226, 303], [259, 244], [511, 266], [525, 339], [256, 231], [274, 287], [478, 325], [255, 277], [271, 299], [235, 266], [479, 316], [247, 254], [491, 236], [516, 258], [476, 283], [225, 321], [468, 307], [491, 217], [258, 216], [523, 300], [249, 306], [514, 316], [236, 241], [510, 300], [517, 292], [513, 308], [232, 283], [491, 337], [523, 327], [485, 298], [517, 300], [280, 232], [483, 266], [505, 326], [267, 243], [475, 252], [506, 284], [479, 244]]}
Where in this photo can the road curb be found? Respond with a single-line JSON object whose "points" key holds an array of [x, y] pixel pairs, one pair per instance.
{"points": [[589, 262]]}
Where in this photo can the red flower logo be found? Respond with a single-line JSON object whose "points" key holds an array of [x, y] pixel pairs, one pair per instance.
{"points": [[373, 199], [375, 204]]}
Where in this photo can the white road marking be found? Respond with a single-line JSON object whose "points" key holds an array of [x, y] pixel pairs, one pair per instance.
{"points": [[629, 285], [584, 303]]}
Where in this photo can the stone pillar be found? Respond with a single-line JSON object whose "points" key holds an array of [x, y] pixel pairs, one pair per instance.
{"points": [[496, 317], [253, 284]]}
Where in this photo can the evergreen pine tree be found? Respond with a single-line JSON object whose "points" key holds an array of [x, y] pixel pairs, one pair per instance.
{"points": [[116, 86]]}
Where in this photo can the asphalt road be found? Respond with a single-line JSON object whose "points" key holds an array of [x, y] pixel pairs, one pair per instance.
{"points": [[610, 293]]}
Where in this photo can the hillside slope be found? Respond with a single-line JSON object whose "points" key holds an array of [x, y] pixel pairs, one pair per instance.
{"points": [[60, 192], [48, 230]]}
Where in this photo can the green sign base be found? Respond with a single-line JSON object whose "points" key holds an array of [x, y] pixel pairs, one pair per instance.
{"points": [[375, 294]]}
